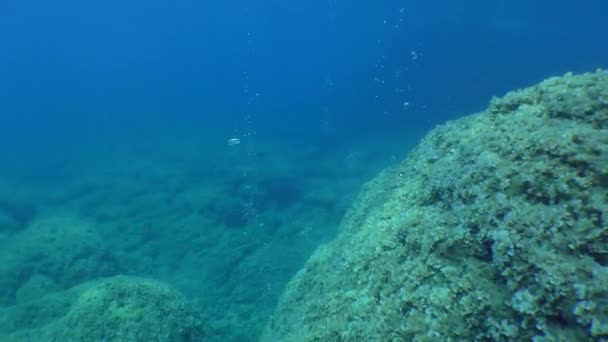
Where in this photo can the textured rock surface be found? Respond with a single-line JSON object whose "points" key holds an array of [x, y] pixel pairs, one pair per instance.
{"points": [[31, 320], [113, 309], [130, 309], [51, 254], [494, 228]]}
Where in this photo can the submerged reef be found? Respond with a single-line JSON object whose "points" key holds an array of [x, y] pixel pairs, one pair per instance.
{"points": [[53, 277], [120, 308], [494, 228], [130, 309], [53, 253]]}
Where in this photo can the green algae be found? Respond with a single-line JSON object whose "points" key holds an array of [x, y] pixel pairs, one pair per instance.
{"points": [[54, 253], [164, 220], [120, 308], [494, 228]]}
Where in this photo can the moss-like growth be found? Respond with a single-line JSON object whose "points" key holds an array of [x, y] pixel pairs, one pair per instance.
{"points": [[51, 254], [31, 320], [130, 309], [494, 228], [112, 309]]}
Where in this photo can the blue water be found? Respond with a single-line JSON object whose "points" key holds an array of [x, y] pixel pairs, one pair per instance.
{"points": [[112, 102], [98, 63]]}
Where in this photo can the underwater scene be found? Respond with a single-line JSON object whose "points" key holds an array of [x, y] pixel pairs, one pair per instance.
{"points": [[325, 170]]}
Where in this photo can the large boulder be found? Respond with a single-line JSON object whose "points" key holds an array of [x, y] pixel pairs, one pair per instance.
{"points": [[495, 228]]}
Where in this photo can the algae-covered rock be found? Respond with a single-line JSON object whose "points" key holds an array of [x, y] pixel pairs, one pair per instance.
{"points": [[31, 320], [51, 254], [121, 309], [494, 228], [130, 309]]}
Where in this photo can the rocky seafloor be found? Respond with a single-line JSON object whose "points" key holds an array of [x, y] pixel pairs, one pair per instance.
{"points": [[492, 229], [183, 239]]}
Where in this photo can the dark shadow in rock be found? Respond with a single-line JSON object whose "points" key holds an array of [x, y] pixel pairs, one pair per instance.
{"points": [[21, 212], [279, 193], [233, 216]]}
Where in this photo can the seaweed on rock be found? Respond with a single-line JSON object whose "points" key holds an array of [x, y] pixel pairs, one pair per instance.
{"points": [[494, 228]]}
